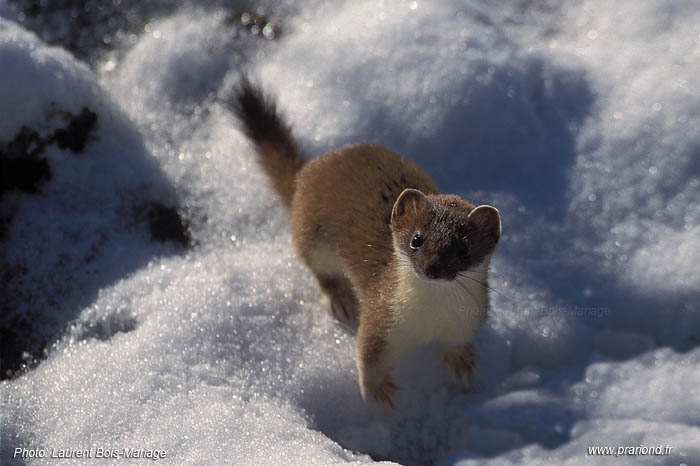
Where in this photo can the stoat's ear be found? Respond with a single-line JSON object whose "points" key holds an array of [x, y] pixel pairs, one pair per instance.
{"points": [[485, 222], [409, 204]]}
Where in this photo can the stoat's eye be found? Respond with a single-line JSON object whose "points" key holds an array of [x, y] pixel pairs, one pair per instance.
{"points": [[416, 241]]}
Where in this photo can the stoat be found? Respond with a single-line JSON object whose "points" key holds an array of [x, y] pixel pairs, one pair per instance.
{"points": [[386, 247]]}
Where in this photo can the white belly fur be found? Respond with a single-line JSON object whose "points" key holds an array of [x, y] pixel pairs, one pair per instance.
{"points": [[436, 311]]}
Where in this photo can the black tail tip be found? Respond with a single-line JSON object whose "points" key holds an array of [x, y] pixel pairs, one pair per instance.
{"points": [[255, 110]]}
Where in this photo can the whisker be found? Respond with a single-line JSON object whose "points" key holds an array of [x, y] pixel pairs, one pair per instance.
{"points": [[464, 287], [489, 288], [455, 294], [482, 269]]}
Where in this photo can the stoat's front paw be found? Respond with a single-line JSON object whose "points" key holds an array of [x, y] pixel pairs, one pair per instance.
{"points": [[382, 392], [461, 362]]}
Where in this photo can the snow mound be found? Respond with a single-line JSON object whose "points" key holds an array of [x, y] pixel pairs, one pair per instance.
{"points": [[84, 223]]}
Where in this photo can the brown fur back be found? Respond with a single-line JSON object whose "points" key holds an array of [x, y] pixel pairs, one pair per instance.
{"points": [[345, 197]]}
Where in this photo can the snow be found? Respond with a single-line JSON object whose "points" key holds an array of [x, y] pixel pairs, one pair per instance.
{"points": [[578, 121]]}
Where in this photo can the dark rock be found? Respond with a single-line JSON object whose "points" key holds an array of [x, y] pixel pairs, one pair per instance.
{"points": [[21, 165], [20, 335], [76, 134], [166, 224], [255, 24]]}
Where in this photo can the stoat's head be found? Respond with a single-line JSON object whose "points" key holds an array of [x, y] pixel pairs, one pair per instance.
{"points": [[443, 235]]}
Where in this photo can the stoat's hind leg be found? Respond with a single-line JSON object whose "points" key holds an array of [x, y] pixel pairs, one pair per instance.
{"points": [[461, 362], [325, 263], [343, 303]]}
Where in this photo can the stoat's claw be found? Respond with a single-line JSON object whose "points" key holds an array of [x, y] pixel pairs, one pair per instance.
{"points": [[461, 362], [384, 393]]}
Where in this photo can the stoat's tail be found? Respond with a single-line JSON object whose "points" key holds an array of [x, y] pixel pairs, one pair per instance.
{"points": [[277, 151]]}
